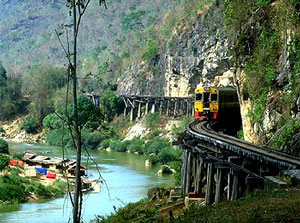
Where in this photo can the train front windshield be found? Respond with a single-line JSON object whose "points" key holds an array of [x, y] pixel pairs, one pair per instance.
{"points": [[214, 97], [198, 97]]}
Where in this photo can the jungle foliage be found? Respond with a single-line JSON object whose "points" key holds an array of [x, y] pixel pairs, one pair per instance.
{"points": [[91, 121], [17, 189], [3, 146], [265, 34]]}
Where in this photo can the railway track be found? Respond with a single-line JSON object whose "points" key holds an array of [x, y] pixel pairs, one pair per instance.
{"points": [[203, 130]]}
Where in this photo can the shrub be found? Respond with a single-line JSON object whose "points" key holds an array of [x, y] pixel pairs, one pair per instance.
{"points": [[150, 49], [168, 154], [52, 122], [152, 120], [153, 134], [105, 143], [54, 137], [10, 192], [166, 169], [154, 159], [4, 160], [91, 140], [179, 129], [136, 145], [111, 104], [156, 145], [2, 129], [118, 146], [12, 188], [29, 125], [3, 146]]}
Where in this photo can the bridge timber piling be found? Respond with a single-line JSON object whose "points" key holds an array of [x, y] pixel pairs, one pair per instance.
{"points": [[176, 106], [134, 105], [218, 167]]}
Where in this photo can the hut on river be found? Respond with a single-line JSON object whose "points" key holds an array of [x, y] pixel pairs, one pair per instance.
{"points": [[58, 165]]}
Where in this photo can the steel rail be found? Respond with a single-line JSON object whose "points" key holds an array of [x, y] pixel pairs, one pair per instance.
{"points": [[203, 131]]}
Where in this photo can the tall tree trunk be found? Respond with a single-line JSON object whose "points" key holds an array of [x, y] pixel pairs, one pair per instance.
{"points": [[77, 194]]}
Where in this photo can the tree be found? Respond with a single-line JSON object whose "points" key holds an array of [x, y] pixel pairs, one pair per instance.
{"points": [[77, 8], [3, 146], [40, 91], [3, 76], [111, 104], [10, 95]]}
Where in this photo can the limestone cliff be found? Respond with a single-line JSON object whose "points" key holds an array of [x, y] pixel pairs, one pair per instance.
{"points": [[257, 53], [196, 53]]}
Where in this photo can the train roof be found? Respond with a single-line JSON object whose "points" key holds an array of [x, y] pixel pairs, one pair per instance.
{"points": [[219, 88]]}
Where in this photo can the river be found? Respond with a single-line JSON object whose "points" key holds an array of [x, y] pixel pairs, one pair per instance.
{"points": [[127, 181]]}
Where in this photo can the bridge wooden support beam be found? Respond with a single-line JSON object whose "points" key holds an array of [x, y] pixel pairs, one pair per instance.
{"points": [[199, 175], [235, 188], [132, 114], [219, 186], [175, 107], [188, 172], [161, 107], [153, 109], [209, 184], [147, 108], [125, 111], [233, 174], [229, 185], [139, 113], [168, 108], [184, 172]]}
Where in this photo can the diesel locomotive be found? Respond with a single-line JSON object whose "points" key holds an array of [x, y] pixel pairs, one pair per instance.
{"points": [[216, 103]]}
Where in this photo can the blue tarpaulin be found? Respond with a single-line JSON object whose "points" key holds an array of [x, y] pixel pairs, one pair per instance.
{"points": [[41, 170]]}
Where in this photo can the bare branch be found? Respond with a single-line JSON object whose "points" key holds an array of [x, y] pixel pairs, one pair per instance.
{"points": [[67, 52]]}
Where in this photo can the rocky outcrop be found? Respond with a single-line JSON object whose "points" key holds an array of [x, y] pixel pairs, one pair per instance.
{"points": [[13, 132], [196, 53]]}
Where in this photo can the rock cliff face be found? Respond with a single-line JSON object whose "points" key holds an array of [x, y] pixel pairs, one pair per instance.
{"points": [[198, 54], [195, 54]]}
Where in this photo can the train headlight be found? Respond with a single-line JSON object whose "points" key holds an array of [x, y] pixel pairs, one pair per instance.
{"points": [[206, 88]]}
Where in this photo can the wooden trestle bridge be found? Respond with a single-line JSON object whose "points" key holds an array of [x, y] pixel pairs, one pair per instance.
{"points": [[215, 166], [169, 106], [218, 166]]}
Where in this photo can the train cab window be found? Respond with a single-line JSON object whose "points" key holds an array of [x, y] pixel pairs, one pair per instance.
{"points": [[206, 97], [214, 97], [199, 97]]}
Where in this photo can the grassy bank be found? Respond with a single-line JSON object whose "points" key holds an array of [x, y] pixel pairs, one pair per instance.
{"points": [[259, 206], [16, 188]]}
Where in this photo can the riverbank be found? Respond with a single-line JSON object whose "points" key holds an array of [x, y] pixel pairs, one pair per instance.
{"points": [[260, 206], [127, 178], [11, 131], [15, 187]]}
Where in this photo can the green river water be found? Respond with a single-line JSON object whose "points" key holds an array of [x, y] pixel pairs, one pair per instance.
{"points": [[127, 179]]}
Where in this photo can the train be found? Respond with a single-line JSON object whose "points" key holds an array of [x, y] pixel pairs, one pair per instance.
{"points": [[216, 103]]}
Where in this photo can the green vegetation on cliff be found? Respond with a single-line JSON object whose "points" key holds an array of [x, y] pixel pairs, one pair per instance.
{"points": [[265, 36]]}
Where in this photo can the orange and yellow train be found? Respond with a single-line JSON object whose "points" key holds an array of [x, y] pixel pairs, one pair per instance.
{"points": [[214, 102]]}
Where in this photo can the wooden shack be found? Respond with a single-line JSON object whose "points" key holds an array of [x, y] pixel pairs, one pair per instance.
{"points": [[71, 168]]}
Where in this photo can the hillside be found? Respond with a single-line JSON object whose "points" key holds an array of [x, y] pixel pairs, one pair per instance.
{"points": [[169, 47], [28, 31]]}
